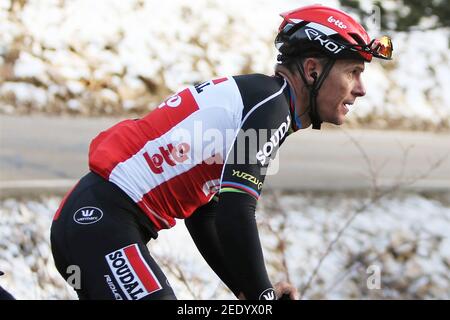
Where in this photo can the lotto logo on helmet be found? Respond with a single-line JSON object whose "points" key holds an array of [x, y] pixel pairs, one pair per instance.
{"points": [[132, 273], [337, 22], [324, 41]]}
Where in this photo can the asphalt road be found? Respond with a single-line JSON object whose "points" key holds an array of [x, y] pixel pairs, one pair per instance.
{"points": [[39, 153]]}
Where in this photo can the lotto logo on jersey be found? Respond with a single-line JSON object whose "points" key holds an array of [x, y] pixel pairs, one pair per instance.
{"points": [[132, 273], [170, 155]]}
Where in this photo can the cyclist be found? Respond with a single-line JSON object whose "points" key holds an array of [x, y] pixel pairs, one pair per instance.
{"points": [[202, 156]]}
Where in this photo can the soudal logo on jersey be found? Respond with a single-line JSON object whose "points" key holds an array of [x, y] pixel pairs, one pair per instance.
{"points": [[132, 273], [337, 22], [170, 155], [274, 141], [87, 215], [324, 41]]}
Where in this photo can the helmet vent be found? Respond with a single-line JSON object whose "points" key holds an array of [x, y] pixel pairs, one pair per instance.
{"points": [[357, 38]]}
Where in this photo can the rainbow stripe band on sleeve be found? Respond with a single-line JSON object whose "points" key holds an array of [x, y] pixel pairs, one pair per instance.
{"points": [[228, 186]]}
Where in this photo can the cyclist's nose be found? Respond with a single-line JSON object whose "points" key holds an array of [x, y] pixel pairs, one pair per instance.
{"points": [[359, 90]]}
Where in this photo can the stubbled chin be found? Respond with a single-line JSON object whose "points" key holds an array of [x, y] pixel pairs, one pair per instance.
{"points": [[343, 111], [339, 121]]}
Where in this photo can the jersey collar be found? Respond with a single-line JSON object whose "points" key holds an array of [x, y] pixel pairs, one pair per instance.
{"points": [[296, 124]]}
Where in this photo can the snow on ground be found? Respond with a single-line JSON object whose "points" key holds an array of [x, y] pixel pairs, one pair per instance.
{"points": [[112, 56], [405, 237]]}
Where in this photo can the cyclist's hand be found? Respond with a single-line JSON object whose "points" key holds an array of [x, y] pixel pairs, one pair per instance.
{"points": [[285, 289]]}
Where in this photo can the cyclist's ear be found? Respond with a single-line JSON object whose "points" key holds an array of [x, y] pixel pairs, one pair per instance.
{"points": [[312, 68]]}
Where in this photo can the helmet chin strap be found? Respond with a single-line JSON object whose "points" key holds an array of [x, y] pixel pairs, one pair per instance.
{"points": [[313, 90]]}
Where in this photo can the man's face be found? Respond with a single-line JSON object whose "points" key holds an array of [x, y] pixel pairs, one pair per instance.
{"points": [[340, 89]]}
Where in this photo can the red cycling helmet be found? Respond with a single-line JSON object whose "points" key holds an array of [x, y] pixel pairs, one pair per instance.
{"points": [[317, 29], [330, 31]]}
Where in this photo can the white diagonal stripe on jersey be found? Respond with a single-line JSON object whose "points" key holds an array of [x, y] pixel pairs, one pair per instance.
{"points": [[134, 175], [249, 113], [262, 102]]}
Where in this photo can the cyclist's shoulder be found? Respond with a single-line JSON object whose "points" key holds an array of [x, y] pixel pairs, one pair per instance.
{"points": [[264, 94], [259, 84]]}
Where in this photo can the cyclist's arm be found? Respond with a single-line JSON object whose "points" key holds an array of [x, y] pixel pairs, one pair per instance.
{"points": [[241, 184], [237, 230], [202, 228]]}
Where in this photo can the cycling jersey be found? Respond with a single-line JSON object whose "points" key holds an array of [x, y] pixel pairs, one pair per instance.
{"points": [[180, 155], [216, 138]]}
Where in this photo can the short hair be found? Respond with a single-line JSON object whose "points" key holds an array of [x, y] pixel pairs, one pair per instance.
{"points": [[291, 61]]}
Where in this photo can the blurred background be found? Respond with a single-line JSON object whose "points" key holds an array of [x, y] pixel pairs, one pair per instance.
{"points": [[360, 211]]}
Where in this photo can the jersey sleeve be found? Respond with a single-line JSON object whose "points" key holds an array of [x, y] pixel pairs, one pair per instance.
{"points": [[263, 129], [264, 125]]}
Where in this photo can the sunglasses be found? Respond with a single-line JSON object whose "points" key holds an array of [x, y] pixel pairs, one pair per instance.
{"points": [[380, 48]]}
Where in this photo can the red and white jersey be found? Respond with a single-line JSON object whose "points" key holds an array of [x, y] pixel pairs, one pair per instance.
{"points": [[170, 161]]}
